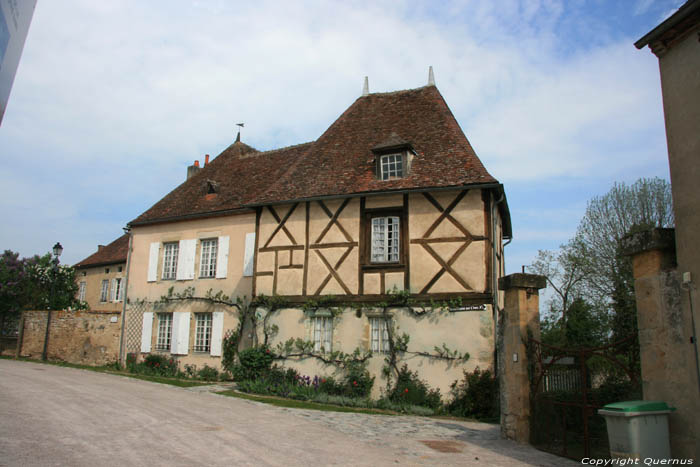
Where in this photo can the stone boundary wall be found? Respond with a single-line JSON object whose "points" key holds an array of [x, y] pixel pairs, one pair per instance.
{"points": [[85, 336]]}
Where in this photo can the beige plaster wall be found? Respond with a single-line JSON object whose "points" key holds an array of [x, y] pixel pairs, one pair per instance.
{"points": [[199, 359], [93, 278], [470, 332], [236, 227]]}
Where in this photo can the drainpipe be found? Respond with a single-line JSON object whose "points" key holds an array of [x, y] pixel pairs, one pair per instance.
{"points": [[494, 276], [126, 295]]}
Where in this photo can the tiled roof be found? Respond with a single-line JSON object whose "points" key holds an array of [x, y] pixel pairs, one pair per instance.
{"points": [[239, 174], [340, 163], [115, 252]]}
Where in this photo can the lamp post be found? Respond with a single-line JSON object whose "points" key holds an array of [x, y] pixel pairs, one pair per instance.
{"points": [[57, 250]]}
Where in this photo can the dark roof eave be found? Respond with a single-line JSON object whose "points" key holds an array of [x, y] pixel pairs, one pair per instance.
{"points": [[377, 193], [186, 217], [102, 263], [685, 11]]}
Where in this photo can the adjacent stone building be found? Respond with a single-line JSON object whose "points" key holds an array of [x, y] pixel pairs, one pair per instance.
{"points": [[101, 276], [391, 200]]}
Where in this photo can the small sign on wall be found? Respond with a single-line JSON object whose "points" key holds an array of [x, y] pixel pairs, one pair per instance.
{"points": [[113, 319]]}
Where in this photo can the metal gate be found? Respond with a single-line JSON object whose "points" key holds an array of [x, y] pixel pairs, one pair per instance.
{"points": [[569, 385]]}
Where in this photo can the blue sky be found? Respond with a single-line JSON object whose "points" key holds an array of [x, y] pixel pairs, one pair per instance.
{"points": [[112, 100]]}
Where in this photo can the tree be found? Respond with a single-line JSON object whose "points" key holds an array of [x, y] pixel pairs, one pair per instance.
{"points": [[36, 283]]}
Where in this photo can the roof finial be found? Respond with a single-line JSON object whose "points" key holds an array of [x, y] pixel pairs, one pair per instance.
{"points": [[365, 88], [431, 76], [238, 137]]}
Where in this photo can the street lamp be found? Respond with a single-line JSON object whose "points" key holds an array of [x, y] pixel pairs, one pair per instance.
{"points": [[57, 250]]}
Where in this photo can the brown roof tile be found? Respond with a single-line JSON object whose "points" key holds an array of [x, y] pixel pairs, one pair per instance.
{"points": [[238, 174], [341, 161], [115, 252]]}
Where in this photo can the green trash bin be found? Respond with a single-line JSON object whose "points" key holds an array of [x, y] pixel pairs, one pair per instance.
{"points": [[638, 429]]}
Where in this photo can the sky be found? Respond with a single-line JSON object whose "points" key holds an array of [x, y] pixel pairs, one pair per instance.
{"points": [[113, 100]]}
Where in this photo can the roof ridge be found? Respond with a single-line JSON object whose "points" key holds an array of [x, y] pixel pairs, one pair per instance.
{"points": [[272, 151], [400, 91]]}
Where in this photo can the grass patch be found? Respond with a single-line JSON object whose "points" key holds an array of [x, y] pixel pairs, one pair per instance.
{"points": [[294, 404], [111, 369]]}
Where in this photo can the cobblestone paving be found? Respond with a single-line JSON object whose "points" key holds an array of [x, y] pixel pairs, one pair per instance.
{"points": [[426, 441]]}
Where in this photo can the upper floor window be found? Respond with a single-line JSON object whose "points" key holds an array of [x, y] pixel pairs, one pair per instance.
{"points": [[81, 291], [207, 264], [170, 260], [391, 166], [117, 289], [385, 239], [104, 292]]}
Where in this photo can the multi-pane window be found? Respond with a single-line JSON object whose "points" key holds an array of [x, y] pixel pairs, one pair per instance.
{"points": [[202, 342], [207, 265], [165, 331], [104, 292], [385, 239], [323, 333], [391, 166], [81, 291], [380, 334], [170, 260], [118, 290]]}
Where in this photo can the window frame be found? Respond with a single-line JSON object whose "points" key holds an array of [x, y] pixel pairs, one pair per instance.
{"points": [[104, 291], [399, 159], [203, 332], [164, 332], [118, 289], [212, 256], [170, 260], [82, 290], [322, 333], [371, 214], [379, 325]]}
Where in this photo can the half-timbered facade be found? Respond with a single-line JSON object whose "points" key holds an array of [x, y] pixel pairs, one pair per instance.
{"points": [[390, 198]]}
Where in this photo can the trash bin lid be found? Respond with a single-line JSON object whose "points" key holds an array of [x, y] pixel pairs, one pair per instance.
{"points": [[638, 406]]}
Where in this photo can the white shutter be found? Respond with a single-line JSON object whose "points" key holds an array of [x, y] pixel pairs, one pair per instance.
{"points": [[222, 258], [147, 332], [249, 256], [153, 262], [113, 291], [180, 341], [217, 332], [185, 259]]}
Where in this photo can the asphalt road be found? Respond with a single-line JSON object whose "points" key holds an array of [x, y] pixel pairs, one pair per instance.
{"points": [[51, 415]]}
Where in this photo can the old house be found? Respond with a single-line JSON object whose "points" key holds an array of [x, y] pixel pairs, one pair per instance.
{"points": [[101, 276], [390, 199]]}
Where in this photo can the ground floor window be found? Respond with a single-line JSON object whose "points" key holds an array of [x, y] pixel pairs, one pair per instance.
{"points": [[323, 333], [379, 334], [202, 342], [165, 331]]}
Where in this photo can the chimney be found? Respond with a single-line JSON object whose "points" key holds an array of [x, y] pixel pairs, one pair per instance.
{"points": [[206, 160], [99, 247], [192, 170]]}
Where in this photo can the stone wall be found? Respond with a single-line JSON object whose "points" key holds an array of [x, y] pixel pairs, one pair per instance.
{"points": [[87, 337]]}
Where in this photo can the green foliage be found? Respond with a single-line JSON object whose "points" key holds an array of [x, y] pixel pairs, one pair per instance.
{"points": [[230, 349], [207, 373], [475, 396], [411, 390], [254, 363], [154, 365], [586, 326]]}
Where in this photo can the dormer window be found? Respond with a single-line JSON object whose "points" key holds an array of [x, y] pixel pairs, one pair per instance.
{"points": [[391, 166]]}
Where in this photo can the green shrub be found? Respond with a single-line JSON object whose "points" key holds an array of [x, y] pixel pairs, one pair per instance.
{"points": [[208, 373], [357, 382], [410, 390], [131, 362], [476, 395], [253, 363]]}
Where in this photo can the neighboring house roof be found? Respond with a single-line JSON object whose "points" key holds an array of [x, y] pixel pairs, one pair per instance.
{"points": [[687, 16], [342, 162], [113, 253]]}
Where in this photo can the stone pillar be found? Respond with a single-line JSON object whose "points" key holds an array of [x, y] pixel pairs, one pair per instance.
{"points": [[667, 351], [521, 319]]}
